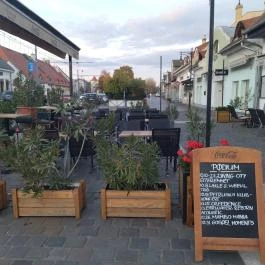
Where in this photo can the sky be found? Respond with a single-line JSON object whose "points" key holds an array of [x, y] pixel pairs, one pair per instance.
{"points": [[113, 33]]}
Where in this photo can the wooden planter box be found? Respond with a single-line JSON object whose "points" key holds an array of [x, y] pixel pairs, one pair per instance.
{"points": [[50, 203], [3, 195], [155, 203], [222, 116], [32, 111]]}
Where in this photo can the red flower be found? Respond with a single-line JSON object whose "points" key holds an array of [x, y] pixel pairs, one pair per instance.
{"points": [[185, 155], [180, 152], [224, 142]]}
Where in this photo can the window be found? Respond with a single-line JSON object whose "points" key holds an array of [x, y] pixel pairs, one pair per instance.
{"points": [[216, 46], [235, 89], [262, 89], [245, 93], [1, 73]]}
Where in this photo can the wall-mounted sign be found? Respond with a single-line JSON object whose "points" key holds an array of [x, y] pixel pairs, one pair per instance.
{"points": [[221, 72], [30, 67], [228, 200]]}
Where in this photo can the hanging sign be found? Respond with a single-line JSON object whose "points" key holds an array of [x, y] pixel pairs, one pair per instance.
{"points": [[221, 72]]}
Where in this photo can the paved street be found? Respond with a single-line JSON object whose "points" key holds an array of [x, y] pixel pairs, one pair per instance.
{"points": [[116, 241]]}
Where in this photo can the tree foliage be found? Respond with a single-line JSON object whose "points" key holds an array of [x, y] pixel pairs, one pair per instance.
{"points": [[103, 80], [150, 85], [122, 83]]}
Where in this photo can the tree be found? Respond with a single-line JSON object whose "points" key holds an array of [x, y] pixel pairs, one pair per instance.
{"points": [[150, 85], [103, 79], [136, 89], [126, 71]]}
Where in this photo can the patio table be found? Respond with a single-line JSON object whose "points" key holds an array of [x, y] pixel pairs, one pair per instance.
{"points": [[9, 116], [136, 133]]}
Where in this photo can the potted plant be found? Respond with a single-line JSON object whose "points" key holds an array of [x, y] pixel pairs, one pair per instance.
{"points": [[4, 142], [222, 114], [132, 178], [186, 178], [27, 95], [46, 191]]}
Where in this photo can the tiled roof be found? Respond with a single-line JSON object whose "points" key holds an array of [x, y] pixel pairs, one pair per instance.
{"points": [[244, 25], [46, 73], [240, 28], [230, 31], [94, 79], [5, 66]]}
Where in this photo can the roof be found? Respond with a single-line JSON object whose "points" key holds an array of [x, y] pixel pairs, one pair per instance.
{"points": [[46, 73], [202, 49], [258, 29], [229, 31], [177, 63], [239, 31], [5, 66], [94, 79], [20, 21]]}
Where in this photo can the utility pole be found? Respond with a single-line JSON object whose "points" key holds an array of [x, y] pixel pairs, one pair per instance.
{"points": [[210, 71], [71, 75], [160, 102]]}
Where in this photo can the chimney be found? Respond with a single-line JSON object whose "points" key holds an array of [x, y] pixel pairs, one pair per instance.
{"points": [[204, 39], [239, 12]]}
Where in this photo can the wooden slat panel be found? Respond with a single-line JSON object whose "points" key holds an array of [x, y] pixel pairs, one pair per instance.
{"points": [[135, 194], [46, 212], [103, 203], [135, 212], [136, 203], [43, 202], [14, 202], [3, 194], [49, 194]]}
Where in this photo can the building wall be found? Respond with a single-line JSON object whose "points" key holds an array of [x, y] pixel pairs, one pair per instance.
{"points": [[237, 79], [5, 80]]}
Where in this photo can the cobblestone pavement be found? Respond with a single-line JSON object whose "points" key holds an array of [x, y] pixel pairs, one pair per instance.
{"points": [[116, 241]]}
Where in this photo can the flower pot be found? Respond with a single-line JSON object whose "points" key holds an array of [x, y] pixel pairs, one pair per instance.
{"points": [[184, 174], [144, 203], [3, 195], [222, 116], [50, 202], [32, 111]]}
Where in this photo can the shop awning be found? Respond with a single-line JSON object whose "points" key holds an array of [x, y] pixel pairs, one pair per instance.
{"points": [[18, 20]]}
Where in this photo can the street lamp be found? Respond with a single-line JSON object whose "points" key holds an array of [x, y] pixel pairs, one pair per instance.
{"points": [[210, 70], [190, 78]]}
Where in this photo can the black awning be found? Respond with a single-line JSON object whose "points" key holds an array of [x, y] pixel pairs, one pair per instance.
{"points": [[187, 82]]}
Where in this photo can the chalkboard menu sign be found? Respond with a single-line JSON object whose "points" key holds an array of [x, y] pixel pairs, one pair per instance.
{"points": [[228, 200]]}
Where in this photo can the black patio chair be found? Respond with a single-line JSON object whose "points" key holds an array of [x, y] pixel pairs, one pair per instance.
{"points": [[237, 118], [135, 124], [255, 121], [25, 123], [88, 148], [261, 115], [162, 123], [168, 142], [135, 116]]}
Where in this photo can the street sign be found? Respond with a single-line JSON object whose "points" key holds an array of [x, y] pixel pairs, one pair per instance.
{"points": [[221, 71], [30, 66]]}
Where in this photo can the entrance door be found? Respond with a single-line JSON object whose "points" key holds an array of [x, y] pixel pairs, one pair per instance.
{"points": [[217, 100]]}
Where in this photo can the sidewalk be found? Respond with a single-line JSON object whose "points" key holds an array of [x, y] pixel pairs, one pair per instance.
{"points": [[116, 241]]}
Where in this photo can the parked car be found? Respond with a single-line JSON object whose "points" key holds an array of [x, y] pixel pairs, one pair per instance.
{"points": [[102, 98], [89, 97], [7, 95]]}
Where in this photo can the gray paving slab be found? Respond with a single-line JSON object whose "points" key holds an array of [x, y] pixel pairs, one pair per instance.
{"points": [[116, 241]]}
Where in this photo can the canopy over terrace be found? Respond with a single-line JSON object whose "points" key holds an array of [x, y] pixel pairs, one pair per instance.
{"points": [[18, 20]]}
